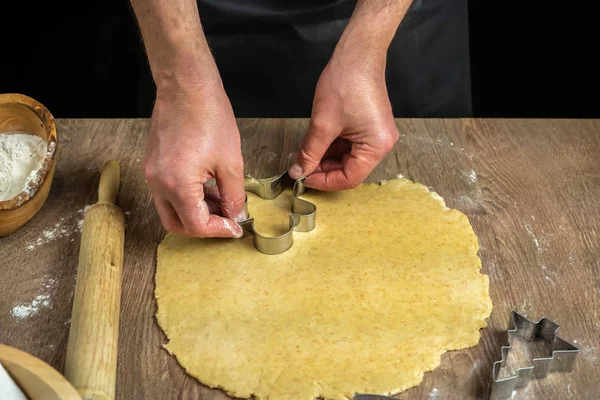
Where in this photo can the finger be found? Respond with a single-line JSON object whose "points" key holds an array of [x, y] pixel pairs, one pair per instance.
{"points": [[214, 206], [168, 217], [212, 199], [317, 140], [211, 192], [194, 214], [230, 181], [355, 170], [333, 156], [337, 149], [329, 165]]}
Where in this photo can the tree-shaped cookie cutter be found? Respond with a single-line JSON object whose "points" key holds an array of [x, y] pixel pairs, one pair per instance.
{"points": [[561, 358], [302, 216]]}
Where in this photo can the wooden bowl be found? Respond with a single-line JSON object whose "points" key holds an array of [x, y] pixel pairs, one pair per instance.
{"points": [[36, 379], [22, 114]]}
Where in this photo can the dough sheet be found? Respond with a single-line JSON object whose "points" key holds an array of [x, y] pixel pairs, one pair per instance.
{"points": [[367, 302]]}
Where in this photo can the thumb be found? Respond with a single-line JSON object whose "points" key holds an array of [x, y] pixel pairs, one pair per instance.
{"points": [[317, 140], [230, 181]]}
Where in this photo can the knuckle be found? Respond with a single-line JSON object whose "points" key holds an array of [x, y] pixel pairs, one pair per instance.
{"points": [[389, 140], [354, 184], [231, 167], [236, 199], [237, 168], [168, 183], [320, 124], [323, 127], [387, 146], [159, 178], [150, 171], [307, 156]]}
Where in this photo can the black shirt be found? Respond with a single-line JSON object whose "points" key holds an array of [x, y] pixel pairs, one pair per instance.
{"points": [[270, 54], [216, 12]]}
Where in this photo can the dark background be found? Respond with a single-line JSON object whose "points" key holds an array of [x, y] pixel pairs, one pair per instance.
{"points": [[528, 58]]}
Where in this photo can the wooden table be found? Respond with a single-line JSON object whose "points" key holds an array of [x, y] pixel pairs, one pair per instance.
{"points": [[531, 189]]}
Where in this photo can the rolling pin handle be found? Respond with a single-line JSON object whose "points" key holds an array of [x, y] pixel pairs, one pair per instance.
{"points": [[110, 179]]}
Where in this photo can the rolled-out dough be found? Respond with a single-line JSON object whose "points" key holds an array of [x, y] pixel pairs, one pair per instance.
{"points": [[365, 303]]}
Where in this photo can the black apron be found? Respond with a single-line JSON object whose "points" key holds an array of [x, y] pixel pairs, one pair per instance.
{"points": [[270, 55]]}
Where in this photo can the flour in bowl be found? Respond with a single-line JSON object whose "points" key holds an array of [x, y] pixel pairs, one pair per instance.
{"points": [[21, 156]]}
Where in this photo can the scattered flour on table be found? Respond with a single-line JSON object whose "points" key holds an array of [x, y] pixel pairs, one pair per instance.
{"points": [[539, 249], [23, 311], [590, 353], [535, 239], [543, 243], [80, 221], [67, 226], [21, 156], [473, 176], [269, 156]]}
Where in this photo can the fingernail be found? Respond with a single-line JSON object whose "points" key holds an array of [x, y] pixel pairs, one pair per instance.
{"points": [[238, 231], [241, 216], [234, 228], [295, 171]]}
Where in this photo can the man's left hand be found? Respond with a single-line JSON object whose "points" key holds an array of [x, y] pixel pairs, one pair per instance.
{"points": [[352, 127]]}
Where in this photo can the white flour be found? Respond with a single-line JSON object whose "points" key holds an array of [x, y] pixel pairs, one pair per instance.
{"points": [[473, 176], [67, 226], [21, 156], [23, 311]]}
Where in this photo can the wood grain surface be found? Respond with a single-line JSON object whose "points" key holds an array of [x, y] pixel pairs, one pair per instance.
{"points": [[531, 189]]}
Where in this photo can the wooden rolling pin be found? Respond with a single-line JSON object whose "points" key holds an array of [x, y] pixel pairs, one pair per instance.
{"points": [[91, 362]]}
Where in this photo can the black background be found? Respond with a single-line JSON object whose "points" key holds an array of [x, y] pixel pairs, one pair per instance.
{"points": [[529, 59]]}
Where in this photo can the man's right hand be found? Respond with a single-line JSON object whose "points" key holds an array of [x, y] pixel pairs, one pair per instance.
{"points": [[193, 138]]}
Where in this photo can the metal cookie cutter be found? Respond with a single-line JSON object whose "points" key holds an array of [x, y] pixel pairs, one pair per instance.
{"points": [[562, 356], [302, 217]]}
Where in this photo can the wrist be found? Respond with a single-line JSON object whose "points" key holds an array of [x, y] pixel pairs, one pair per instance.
{"points": [[353, 53], [360, 47], [186, 72], [370, 31], [354, 58], [189, 94]]}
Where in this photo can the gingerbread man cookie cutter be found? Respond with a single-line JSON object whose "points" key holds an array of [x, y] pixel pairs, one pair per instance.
{"points": [[302, 215]]}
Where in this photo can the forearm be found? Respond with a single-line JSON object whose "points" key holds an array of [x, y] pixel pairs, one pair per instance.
{"points": [[371, 29], [177, 50]]}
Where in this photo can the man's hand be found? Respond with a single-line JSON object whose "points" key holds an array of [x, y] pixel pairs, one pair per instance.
{"points": [[352, 126], [193, 136], [192, 140]]}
